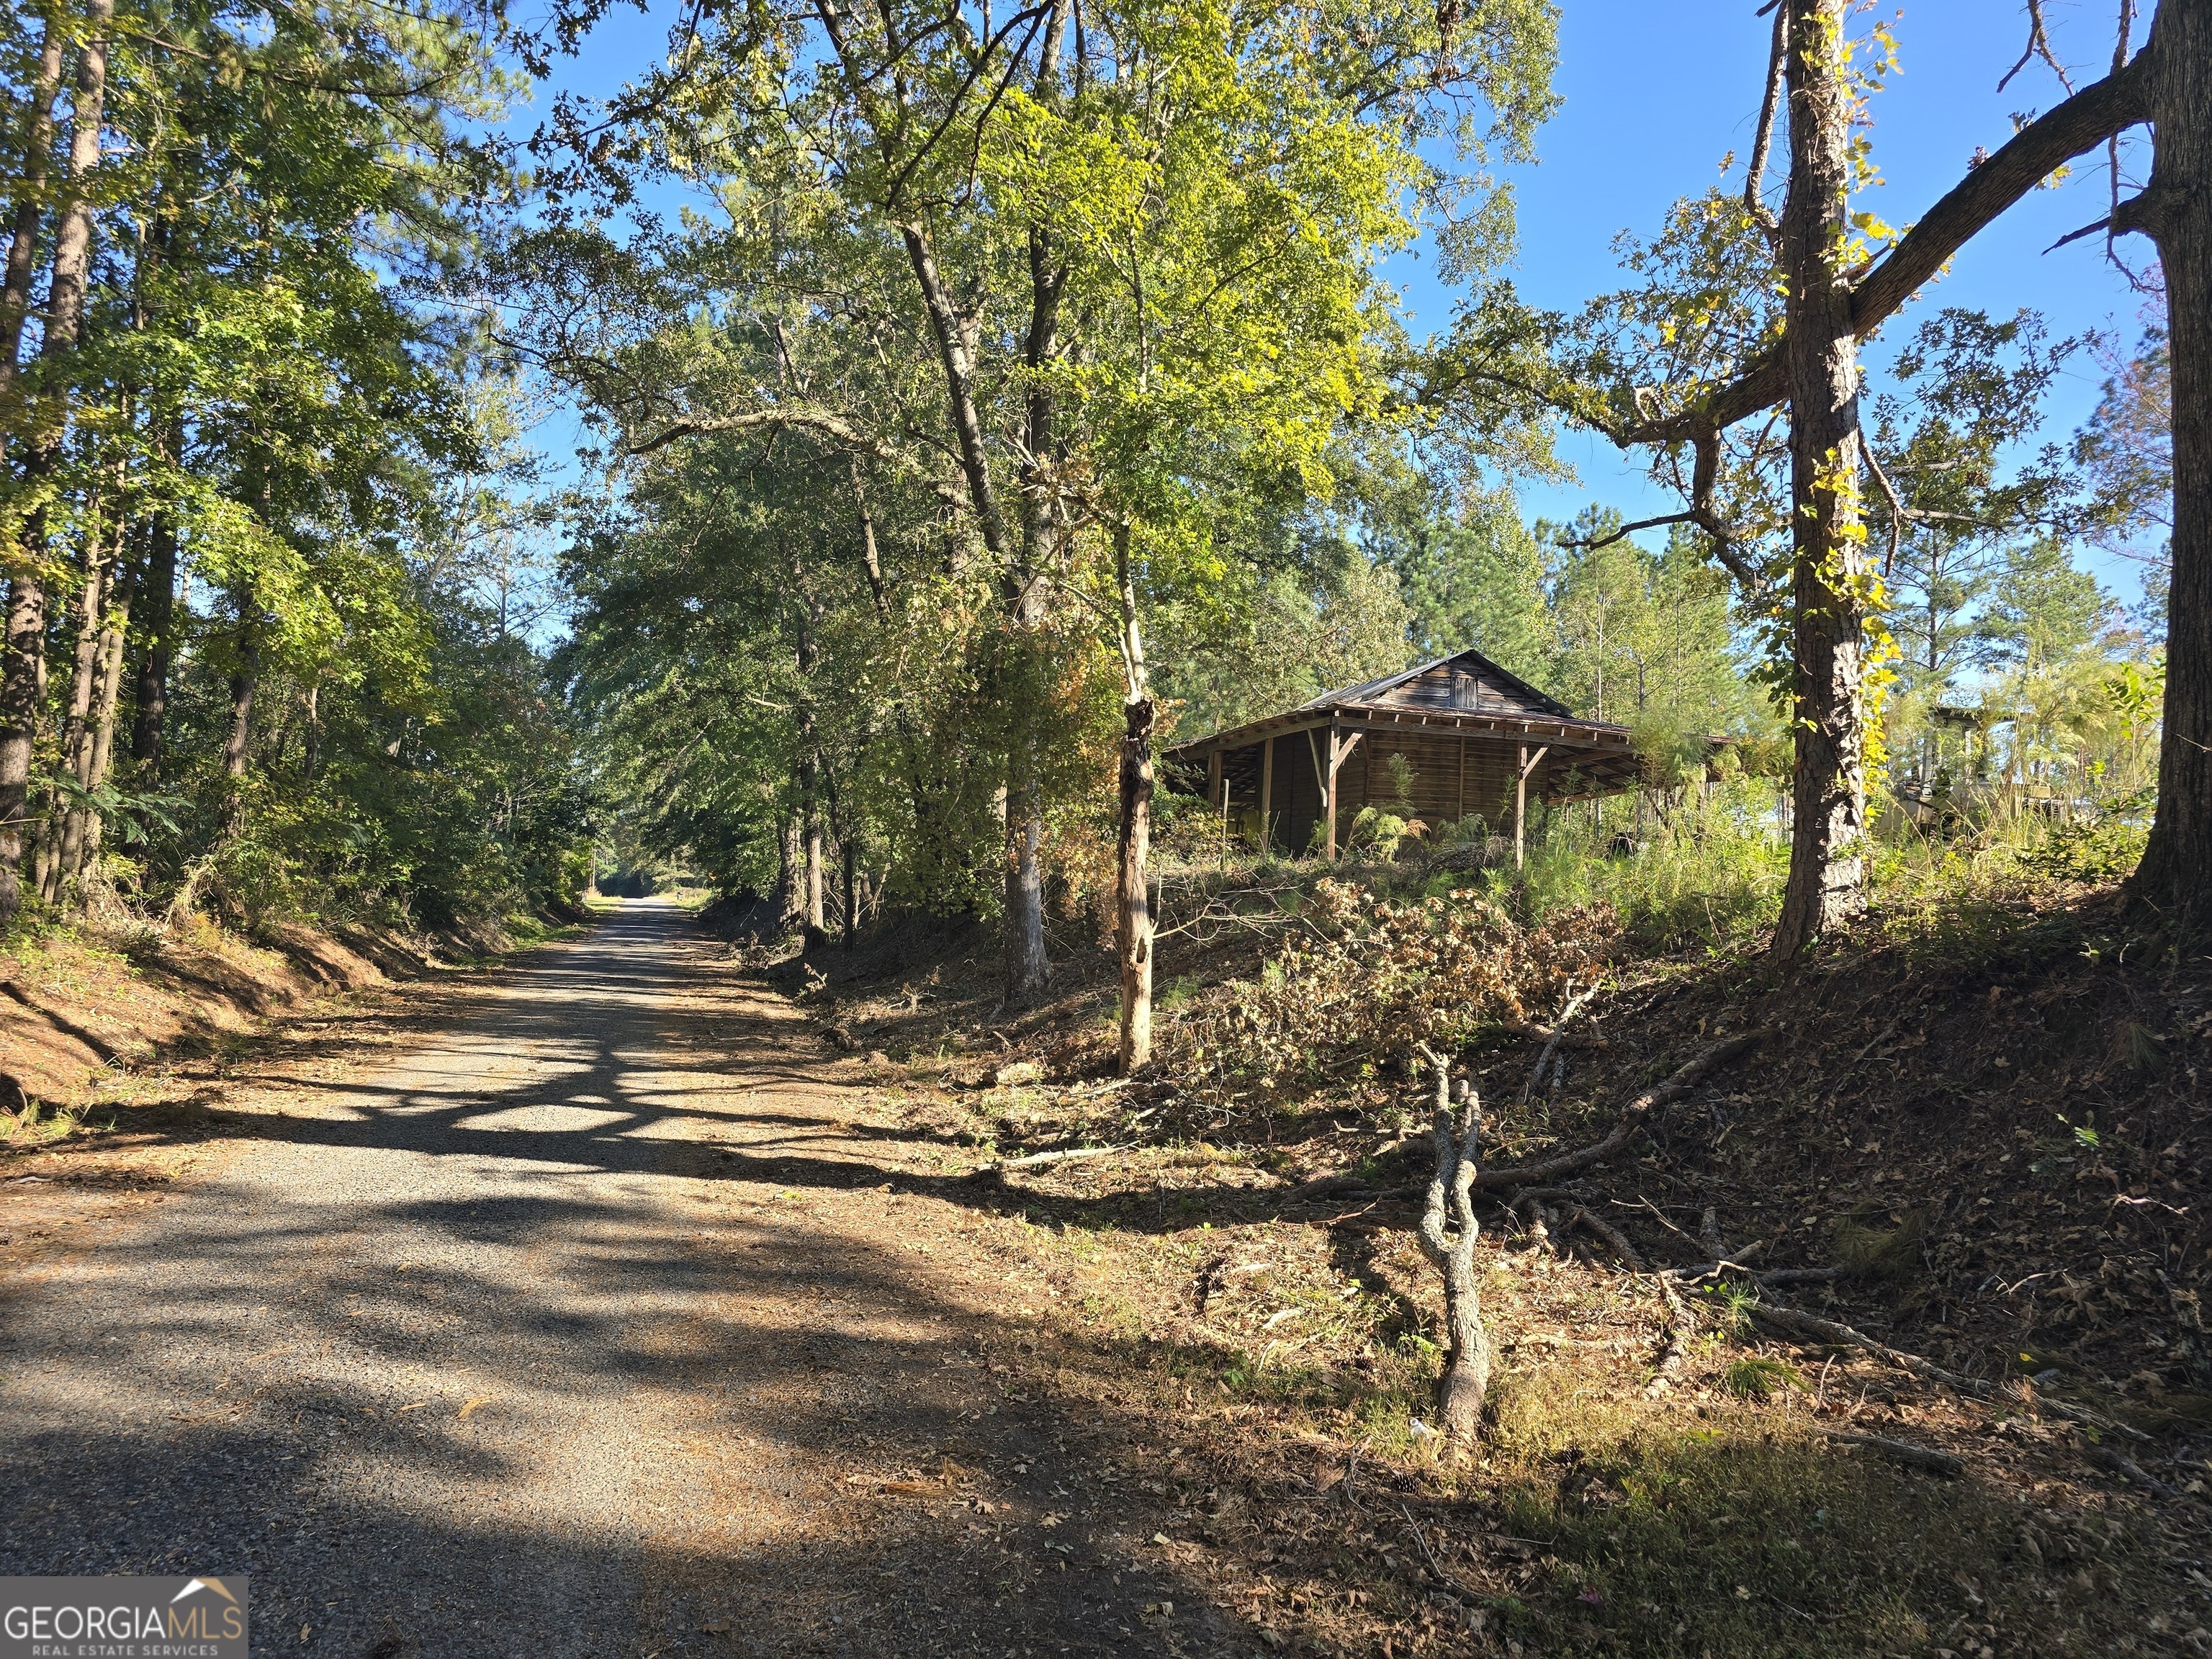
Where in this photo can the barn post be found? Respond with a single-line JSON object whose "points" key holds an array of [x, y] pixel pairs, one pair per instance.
{"points": [[1328, 796], [1338, 752], [1268, 796], [1528, 763], [1520, 806]]}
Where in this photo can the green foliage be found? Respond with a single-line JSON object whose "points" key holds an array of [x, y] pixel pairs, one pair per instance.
{"points": [[1758, 1376], [282, 465], [1080, 341], [1708, 875]]}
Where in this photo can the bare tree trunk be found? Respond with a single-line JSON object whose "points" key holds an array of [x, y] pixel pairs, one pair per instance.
{"points": [[1827, 887], [810, 763], [63, 839], [20, 695], [23, 660], [790, 906], [1028, 969], [245, 678], [151, 691], [1133, 882], [809, 786], [2175, 877], [1448, 1232], [22, 245], [103, 724], [849, 844]]}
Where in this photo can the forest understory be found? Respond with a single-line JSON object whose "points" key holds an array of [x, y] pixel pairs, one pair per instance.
{"points": [[1967, 1137]]}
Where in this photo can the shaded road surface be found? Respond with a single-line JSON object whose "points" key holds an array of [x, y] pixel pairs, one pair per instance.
{"points": [[515, 1344]]}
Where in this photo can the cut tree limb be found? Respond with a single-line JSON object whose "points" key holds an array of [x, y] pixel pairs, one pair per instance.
{"points": [[1902, 1451], [1552, 1034], [1574, 1006], [1038, 1160], [1828, 1330], [1676, 1353], [1633, 1117], [1447, 1235]]}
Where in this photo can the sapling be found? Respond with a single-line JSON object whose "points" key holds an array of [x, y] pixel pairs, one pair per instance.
{"points": [[1448, 1239]]}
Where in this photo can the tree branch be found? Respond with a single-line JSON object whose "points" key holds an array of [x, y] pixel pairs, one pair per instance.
{"points": [[2038, 45], [2039, 149], [1897, 514], [1762, 142], [1592, 543], [2035, 152]]}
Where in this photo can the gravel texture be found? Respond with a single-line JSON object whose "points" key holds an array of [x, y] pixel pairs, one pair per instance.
{"points": [[526, 1340]]}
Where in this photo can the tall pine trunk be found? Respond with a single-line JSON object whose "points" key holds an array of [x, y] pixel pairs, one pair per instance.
{"points": [[22, 654], [28, 211], [2175, 210], [1827, 887], [22, 617]]}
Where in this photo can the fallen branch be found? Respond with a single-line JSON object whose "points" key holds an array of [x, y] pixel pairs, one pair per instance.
{"points": [[1676, 1354], [1828, 1330], [1553, 1034], [1333, 1185], [1632, 1116], [1611, 1234], [1902, 1451], [1448, 1237], [1036, 1160], [2112, 1458], [1436, 1567], [1551, 1044], [1540, 1231]]}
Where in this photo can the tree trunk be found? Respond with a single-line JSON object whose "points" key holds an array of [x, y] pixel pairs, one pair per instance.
{"points": [[103, 722], [1133, 877], [21, 654], [22, 658], [151, 697], [244, 677], [849, 844], [22, 246], [63, 842], [1447, 1235], [2175, 877], [790, 906], [809, 786], [1827, 887], [1134, 886]]}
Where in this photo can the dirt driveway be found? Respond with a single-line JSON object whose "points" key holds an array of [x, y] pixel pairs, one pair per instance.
{"points": [[591, 1321]]}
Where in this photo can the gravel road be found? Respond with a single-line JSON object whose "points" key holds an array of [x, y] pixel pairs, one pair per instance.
{"points": [[526, 1340]]}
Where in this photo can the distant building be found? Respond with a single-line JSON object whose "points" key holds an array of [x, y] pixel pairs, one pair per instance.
{"points": [[1474, 738]]}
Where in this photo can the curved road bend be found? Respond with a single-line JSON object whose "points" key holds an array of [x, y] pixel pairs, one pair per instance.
{"points": [[509, 1345]]}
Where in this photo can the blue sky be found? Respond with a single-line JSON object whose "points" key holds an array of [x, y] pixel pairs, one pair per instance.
{"points": [[1654, 96]]}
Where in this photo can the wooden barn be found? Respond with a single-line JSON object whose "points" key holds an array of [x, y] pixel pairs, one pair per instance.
{"points": [[1474, 738]]}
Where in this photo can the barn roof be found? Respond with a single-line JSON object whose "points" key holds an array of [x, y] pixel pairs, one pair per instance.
{"points": [[1465, 692], [1465, 680]]}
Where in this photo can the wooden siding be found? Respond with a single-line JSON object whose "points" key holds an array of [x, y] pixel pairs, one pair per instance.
{"points": [[1451, 776], [1456, 687]]}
